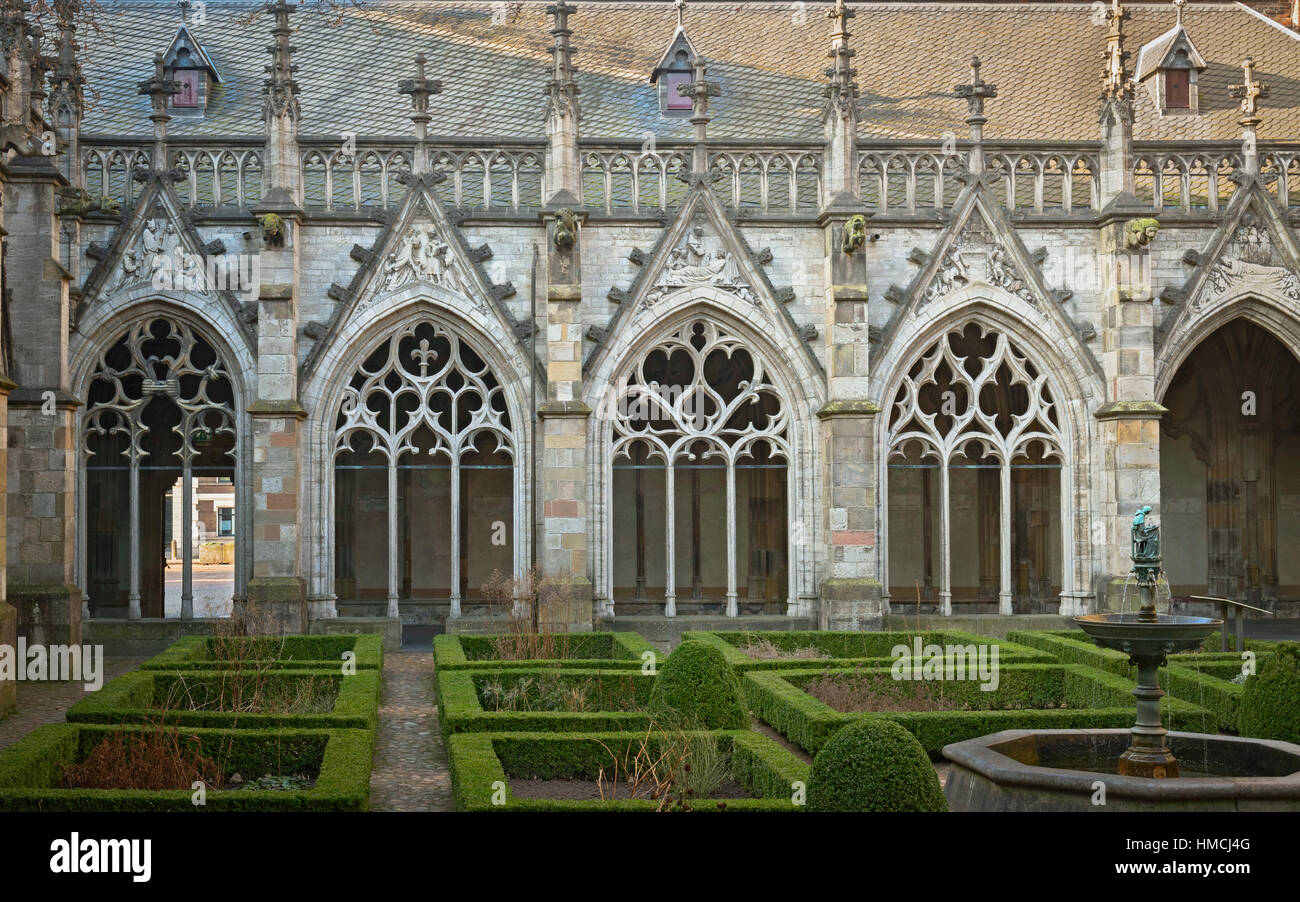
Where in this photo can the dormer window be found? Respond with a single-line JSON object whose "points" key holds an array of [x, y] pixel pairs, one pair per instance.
{"points": [[187, 63], [674, 70], [1168, 68]]}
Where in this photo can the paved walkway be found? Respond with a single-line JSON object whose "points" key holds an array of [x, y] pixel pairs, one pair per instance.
{"points": [[410, 766], [40, 703]]}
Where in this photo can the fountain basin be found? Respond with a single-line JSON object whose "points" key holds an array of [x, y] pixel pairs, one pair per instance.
{"points": [[1058, 770], [1166, 635]]}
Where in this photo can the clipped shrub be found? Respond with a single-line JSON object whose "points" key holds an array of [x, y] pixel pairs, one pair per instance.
{"points": [[874, 765], [697, 685], [1270, 702]]}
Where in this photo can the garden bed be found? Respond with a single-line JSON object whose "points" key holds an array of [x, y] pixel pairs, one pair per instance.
{"points": [[796, 650], [280, 770], [542, 699], [1028, 696], [270, 652], [486, 768], [236, 699], [585, 651]]}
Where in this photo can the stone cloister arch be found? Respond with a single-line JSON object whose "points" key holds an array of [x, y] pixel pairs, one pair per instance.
{"points": [[428, 400], [978, 382], [165, 402], [1230, 455], [690, 389]]}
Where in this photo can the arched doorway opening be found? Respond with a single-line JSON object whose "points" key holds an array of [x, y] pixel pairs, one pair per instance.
{"points": [[1230, 469]]}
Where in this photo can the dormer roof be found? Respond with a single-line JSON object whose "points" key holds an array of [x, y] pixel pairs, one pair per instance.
{"points": [[185, 52], [1163, 51], [669, 60]]}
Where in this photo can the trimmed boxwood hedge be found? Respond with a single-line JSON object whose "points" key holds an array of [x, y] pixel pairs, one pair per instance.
{"points": [[777, 698], [134, 698], [324, 652], [339, 760], [1270, 701], [849, 648], [874, 764], [479, 760], [460, 709], [698, 684], [587, 651]]}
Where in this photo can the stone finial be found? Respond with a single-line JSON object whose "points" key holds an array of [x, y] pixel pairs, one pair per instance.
{"points": [[1178, 11], [1116, 82], [700, 89], [975, 93], [1249, 92], [420, 89], [67, 80], [280, 87], [842, 91], [159, 88], [681, 12], [562, 91]]}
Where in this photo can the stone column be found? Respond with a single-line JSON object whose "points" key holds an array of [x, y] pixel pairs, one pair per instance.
{"points": [[1130, 420], [562, 433], [43, 464], [8, 615], [851, 591], [277, 593]]}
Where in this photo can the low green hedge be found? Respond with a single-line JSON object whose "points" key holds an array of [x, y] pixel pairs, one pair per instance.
{"points": [[586, 651], [1099, 700], [338, 759], [1270, 700], [874, 765], [323, 652], [849, 648], [460, 706], [137, 697], [1202, 679], [480, 760]]}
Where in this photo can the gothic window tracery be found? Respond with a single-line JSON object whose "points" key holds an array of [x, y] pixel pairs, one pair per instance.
{"points": [[974, 419], [701, 439], [160, 407], [424, 453]]}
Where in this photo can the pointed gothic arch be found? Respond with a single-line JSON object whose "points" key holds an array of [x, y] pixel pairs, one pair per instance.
{"points": [[164, 410], [662, 399], [1017, 360], [428, 414]]}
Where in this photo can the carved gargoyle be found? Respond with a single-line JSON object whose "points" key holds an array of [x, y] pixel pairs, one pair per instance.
{"points": [[855, 234], [79, 202], [566, 230], [15, 137], [1140, 232], [272, 229]]}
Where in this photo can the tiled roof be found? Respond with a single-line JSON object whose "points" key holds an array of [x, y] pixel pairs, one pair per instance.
{"points": [[1046, 60]]}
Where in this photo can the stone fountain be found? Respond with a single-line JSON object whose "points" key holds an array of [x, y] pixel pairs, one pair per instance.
{"points": [[1147, 638], [1064, 770]]}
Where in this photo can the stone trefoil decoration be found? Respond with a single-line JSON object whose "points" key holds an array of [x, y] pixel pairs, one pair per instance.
{"points": [[1251, 262], [700, 261], [976, 257], [422, 256]]}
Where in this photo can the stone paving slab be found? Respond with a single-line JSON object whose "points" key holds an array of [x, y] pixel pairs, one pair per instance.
{"points": [[410, 765]]}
